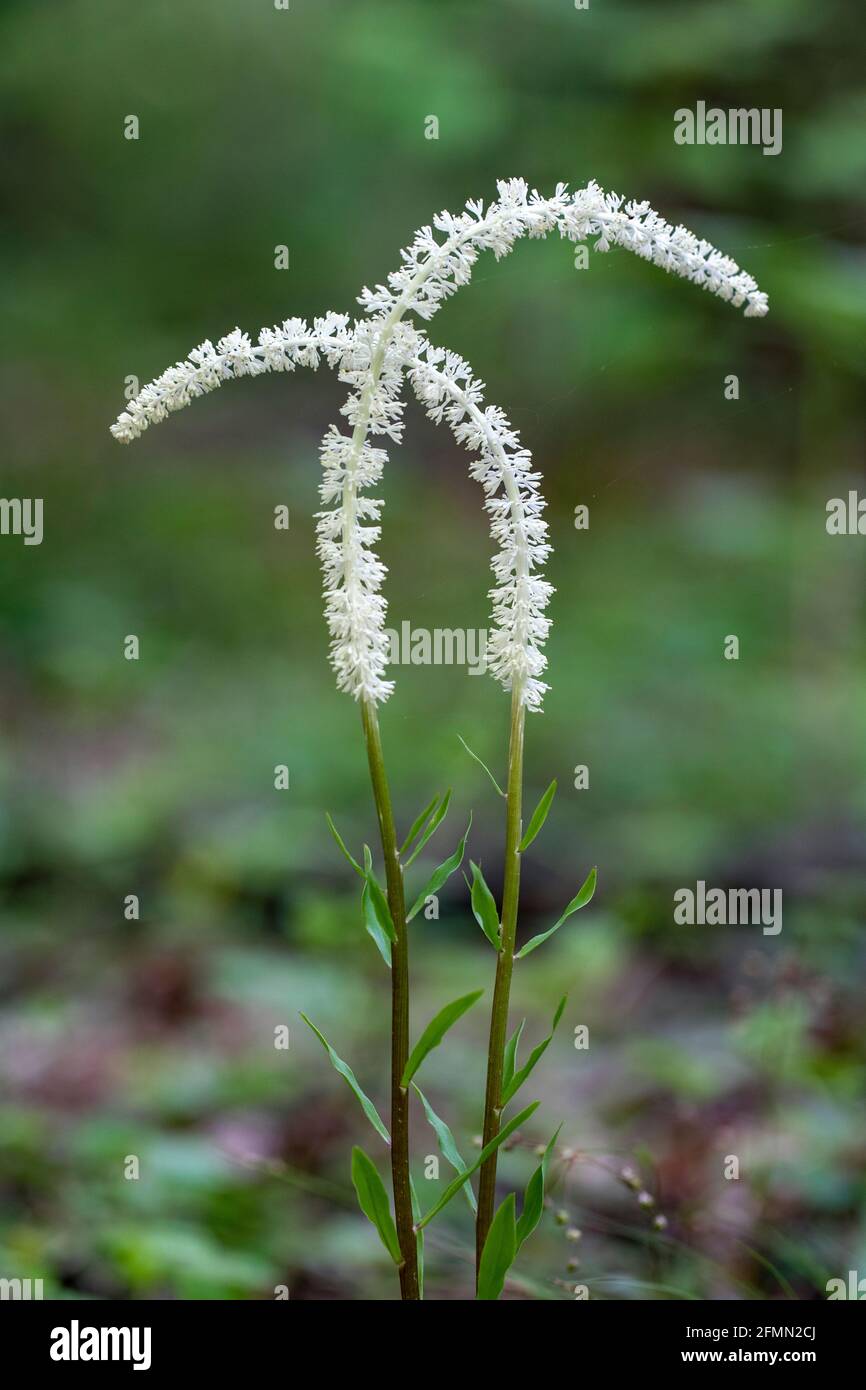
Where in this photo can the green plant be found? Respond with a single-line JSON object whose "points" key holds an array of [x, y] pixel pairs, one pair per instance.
{"points": [[374, 356]]}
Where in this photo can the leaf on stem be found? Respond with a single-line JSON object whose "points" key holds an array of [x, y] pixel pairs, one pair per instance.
{"points": [[419, 1235], [371, 921], [497, 1257], [340, 841], [535, 1056], [539, 816], [484, 907], [377, 900], [434, 823], [440, 875], [481, 764], [455, 1185], [348, 1075], [373, 1201], [447, 1145], [417, 824], [509, 1060], [580, 900], [435, 1032], [533, 1197]]}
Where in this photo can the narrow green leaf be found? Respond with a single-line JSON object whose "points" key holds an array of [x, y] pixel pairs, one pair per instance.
{"points": [[417, 824], [455, 1185], [435, 1032], [510, 1058], [535, 1056], [580, 900], [373, 1201], [497, 1257], [433, 825], [482, 764], [440, 875], [539, 816], [484, 907], [346, 1072], [379, 903], [338, 837], [447, 1145], [371, 922], [419, 1235], [533, 1197]]}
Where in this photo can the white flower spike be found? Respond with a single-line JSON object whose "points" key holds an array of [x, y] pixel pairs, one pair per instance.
{"points": [[373, 356], [431, 270]]}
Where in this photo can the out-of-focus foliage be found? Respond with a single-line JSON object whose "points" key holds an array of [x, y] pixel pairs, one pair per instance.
{"points": [[154, 1038]]}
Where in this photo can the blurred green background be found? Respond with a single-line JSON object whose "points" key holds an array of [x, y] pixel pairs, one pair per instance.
{"points": [[154, 1038]]}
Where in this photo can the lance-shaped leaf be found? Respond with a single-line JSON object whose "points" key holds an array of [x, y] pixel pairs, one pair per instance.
{"points": [[510, 1057], [533, 1197], [418, 822], [455, 1185], [484, 907], [377, 900], [440, 875], [497, 1257], [539, 816], [579, 900], [447, 1146], [371, 920], [481, 763], [373, 1201], [346, 1072], [435, 1032], [419, 1235], [342, 844], [535, 1056], [433, 825]]}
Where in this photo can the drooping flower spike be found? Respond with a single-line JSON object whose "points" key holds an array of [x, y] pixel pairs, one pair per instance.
{"points": [[353, 572], [373, 356], [282, 349], [431, 270], [445, 386]]}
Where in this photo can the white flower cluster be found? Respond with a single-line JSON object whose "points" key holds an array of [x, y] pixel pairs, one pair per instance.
{"points": [[432, 270], [281, 349], [636, 227], [374, 366], [445, 386], [374, 354]]}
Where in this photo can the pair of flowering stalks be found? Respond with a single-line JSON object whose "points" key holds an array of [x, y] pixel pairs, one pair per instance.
{"points": [[375, 355]]}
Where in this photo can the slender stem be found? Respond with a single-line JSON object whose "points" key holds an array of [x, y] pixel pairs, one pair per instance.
{"points": [[504, 967], [409, 1288]]}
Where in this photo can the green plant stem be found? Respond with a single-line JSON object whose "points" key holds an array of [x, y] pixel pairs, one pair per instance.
{"points": [[504, 967], [408, 1269]]}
